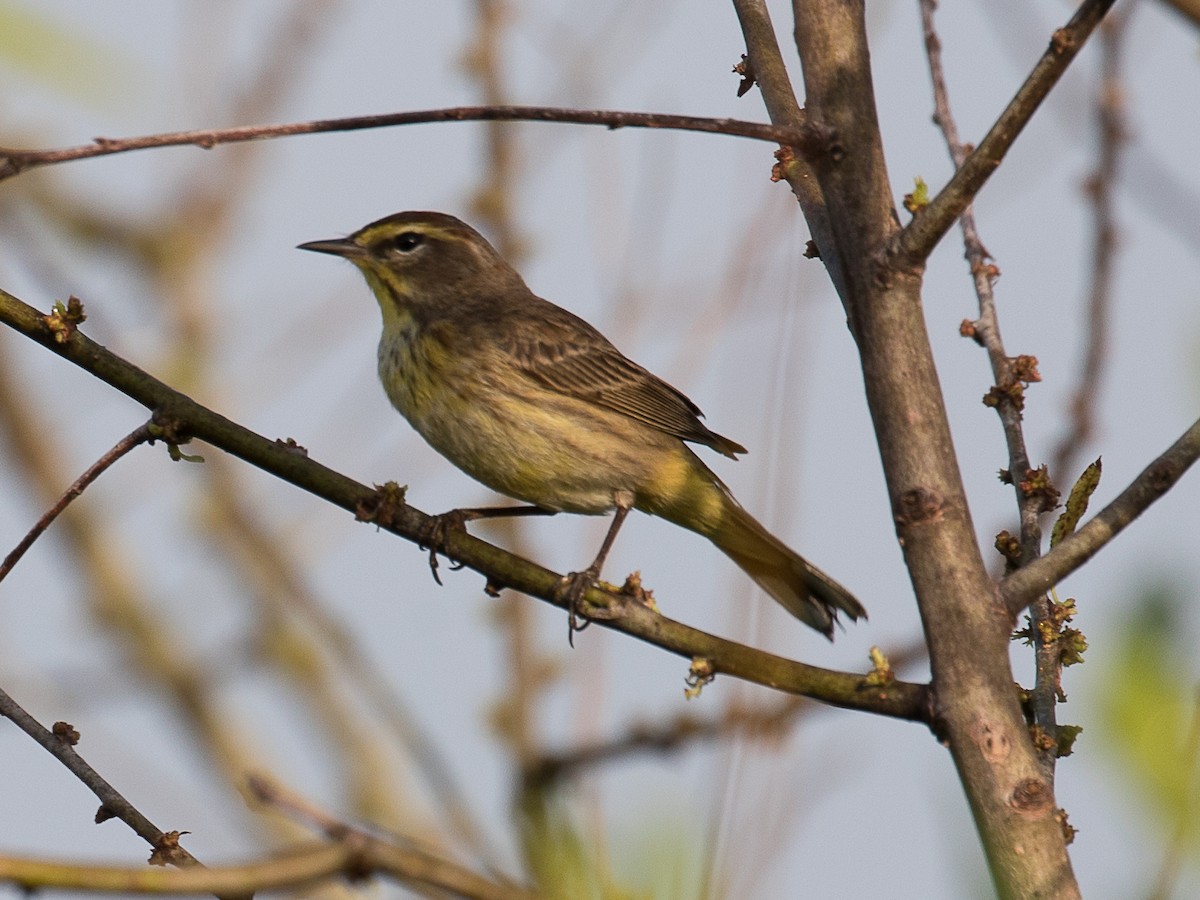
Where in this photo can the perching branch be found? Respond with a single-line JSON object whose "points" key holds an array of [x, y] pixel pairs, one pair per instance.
{"points": [[183, 417], [13, 161], [1019, 588], [918, 239]]}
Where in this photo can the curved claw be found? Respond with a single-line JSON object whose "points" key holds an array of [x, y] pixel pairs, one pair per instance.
{"points": [[439, 528], [571, 589], [436, 534]]}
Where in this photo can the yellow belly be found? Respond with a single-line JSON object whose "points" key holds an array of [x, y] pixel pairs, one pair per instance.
{"points": [[536, 445]]}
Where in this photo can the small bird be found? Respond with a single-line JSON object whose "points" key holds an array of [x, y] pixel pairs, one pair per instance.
{"points": [[537, 404]]}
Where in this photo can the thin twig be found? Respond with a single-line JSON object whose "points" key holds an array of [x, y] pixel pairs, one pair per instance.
{"points": [[898, 699], [1019, 588], [139, 435], [270, 794], [1101, 190], [60, 744], [13, 161], [914, 244], [1008, 399], [116, 599]]}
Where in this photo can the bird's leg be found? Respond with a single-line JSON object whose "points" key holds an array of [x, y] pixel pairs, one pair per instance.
{"points": [[575, 584], [439, 528]]}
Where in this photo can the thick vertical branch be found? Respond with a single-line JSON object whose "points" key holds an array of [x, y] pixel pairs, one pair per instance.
{"points": [[848, 158], [965, 627]]}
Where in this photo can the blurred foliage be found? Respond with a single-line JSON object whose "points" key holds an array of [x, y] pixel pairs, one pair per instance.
{"points": [[660, 853], [564, 861], [53, 54], [664, 851], [1149, 713]]}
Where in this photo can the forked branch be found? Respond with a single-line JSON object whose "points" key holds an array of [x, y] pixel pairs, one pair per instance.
{"points": [[1022, 586], [914, 244]]}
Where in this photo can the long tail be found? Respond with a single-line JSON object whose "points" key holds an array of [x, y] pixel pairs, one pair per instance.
{"points": [[799, 587]]}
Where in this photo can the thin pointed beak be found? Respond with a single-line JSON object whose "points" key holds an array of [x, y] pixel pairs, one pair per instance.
{"points": [[343, 247]]}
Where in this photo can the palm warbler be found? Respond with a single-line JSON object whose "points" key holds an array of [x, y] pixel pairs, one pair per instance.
{"points": [[535, 403]]}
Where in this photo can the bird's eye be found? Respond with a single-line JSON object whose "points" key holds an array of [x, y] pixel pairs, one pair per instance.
{"points": [[406, 241]]}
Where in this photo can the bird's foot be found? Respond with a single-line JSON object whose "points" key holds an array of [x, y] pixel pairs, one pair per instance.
{"points": [[572, 589], [437, 532]]}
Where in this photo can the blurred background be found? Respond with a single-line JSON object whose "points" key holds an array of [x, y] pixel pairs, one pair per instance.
{"points": [[198, 622]]}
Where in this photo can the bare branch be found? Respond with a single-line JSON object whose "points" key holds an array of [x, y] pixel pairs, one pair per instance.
{"points": [[665, 737], [1007, 396], [918, 239], [60, 744], [139, 435], [287, 461], [114, 597], [13, 161], [1101, 185], [977, 713], [846, 151], [770, 72], [1153, 482]]}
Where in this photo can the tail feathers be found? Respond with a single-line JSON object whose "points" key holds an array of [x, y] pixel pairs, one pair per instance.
{"points": [[799, 587]]}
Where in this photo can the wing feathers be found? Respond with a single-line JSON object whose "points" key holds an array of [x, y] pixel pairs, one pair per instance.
{"points": [[587, 366]]}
